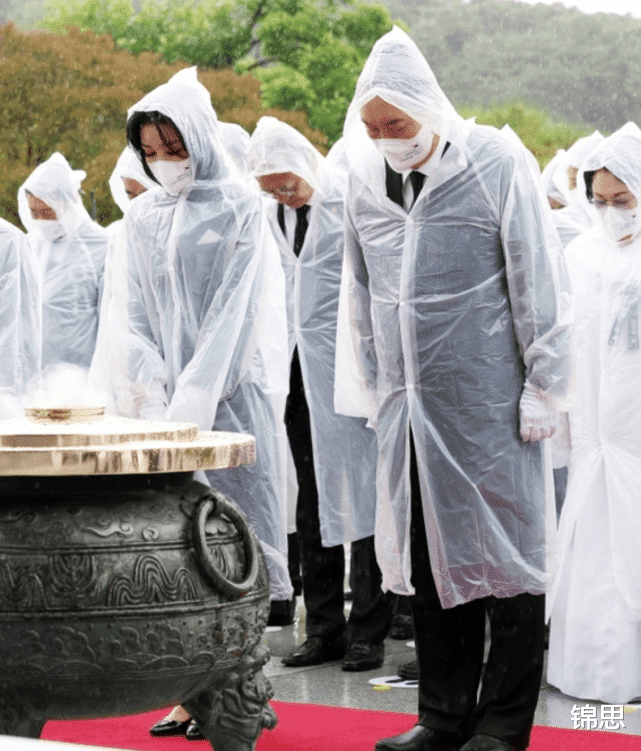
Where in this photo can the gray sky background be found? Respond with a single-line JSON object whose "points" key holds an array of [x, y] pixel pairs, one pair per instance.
{"points": [[633, 7]]}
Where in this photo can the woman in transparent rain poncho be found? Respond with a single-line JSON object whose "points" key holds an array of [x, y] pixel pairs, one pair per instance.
{"points": [[206, 323], [453, 333], [70, 249], [595, 602]]}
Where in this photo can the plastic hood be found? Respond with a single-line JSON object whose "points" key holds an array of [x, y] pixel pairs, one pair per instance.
{"points": [[187, 103], [128, 165], [276, 147], [55, 183], [620, 153]]}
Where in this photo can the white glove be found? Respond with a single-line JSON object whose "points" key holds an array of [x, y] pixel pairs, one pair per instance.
{"points": [[538, 414]]}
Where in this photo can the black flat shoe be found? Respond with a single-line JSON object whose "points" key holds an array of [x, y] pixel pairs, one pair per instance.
{"points": [[315, 651], [193, 732], [420, 738], [169, 727]]}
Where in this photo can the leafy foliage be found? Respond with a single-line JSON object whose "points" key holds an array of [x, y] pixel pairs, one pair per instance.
{"points": [[306, 53], [70, 93], [541, 135], [580, 68]]}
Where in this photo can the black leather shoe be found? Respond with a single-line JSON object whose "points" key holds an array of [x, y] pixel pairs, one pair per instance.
{"points": [[401, 627], [315, 651], [169, 727], [193, 733], [408, 671], [363, 656], [482, 742], [420, 738]]}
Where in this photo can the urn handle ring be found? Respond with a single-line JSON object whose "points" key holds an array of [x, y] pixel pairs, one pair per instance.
{"points": [[216, 503]]}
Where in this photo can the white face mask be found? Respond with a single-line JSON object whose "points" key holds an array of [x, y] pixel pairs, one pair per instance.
{"points": [[620, 223], [403, 153], [173, 176], [50, 230]]}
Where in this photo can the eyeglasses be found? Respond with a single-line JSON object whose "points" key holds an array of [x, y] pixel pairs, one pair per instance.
{"points": [[616, 203], [287, 190]]}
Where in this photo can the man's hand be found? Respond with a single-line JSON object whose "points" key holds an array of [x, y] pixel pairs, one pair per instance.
{"points": [[538, 414]]}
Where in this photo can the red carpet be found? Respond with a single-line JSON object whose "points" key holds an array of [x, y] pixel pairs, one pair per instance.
{"points": [[309, 727]]}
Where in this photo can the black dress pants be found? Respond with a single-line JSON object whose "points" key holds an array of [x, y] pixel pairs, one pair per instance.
{"points": [[456, 693], [324, 568]]}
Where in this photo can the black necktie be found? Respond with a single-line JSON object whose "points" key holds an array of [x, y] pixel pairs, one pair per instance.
{"points": [[301, 228], [394, 185], [417, 179], [281, 218]]}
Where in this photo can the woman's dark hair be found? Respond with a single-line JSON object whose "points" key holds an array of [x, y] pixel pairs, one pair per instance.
{"points": [[134, 126], [589, 176]]}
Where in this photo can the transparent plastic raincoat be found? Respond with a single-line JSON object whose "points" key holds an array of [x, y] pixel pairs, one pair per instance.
{"points": [[128, 165], [344, 447], [207, 327], [577, 210], [20, 314], [444, 312], [595, 601], [236, 140], [110, 358], [71, 267], [567, 227]]}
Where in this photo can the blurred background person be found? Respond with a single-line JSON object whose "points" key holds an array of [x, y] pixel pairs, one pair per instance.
{"points": [[20, 320], [236, 141], [70, 249]]}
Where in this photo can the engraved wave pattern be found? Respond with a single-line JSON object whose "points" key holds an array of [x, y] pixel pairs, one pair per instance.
{"points": [[150, 584]]}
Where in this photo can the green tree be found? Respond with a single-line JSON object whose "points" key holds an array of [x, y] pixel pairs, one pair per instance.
{"points": [[579, 68], [541, 135], [70, 93], [306, 53]]}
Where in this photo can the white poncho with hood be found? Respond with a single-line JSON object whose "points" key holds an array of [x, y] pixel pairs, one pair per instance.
{"points": [[207, 328], [71, 262], [577, 210], [20, 314], [109, 362], [445, 311], [595, 602], [344, 447]]}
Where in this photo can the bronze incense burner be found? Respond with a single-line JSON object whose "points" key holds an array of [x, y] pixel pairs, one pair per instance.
{"points": [[125, 584]]}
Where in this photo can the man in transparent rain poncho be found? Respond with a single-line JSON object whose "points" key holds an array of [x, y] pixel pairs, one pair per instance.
{"points": [[334, 455], [453, 339], [70, 250]]}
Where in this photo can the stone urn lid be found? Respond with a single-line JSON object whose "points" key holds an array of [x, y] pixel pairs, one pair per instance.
{"points": [[58, 441]]}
